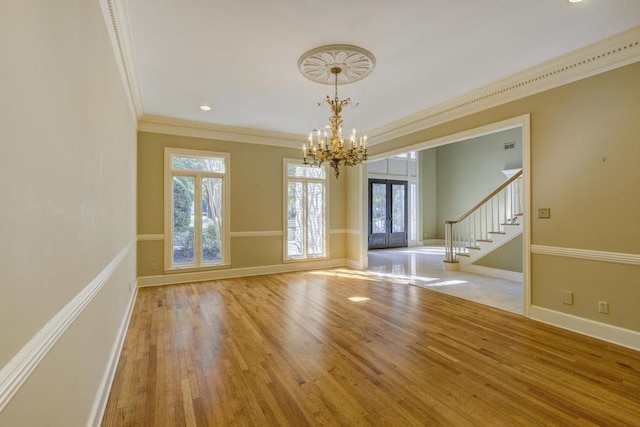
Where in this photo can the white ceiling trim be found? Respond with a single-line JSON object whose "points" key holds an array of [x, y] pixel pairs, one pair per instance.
{"points": [[180, 127], [116, 17], [610, 53]]}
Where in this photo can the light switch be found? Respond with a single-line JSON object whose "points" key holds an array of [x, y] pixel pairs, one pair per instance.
{"points": [[544, 213]]}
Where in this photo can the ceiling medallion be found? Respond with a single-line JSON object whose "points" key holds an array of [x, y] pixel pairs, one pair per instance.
{"points": [[355, 64], [336, 64]]}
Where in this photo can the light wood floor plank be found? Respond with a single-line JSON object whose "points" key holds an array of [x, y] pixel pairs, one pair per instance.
{"points": [[292, 349]]}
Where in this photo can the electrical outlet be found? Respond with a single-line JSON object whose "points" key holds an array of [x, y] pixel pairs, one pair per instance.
{"points": [[567, 297], [544, 213], [152, 266], [603, 307]]}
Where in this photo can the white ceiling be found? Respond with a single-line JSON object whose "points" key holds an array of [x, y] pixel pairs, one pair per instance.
{"points": [[240, 57]]}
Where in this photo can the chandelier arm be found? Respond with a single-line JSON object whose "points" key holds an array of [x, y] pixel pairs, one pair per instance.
{"points": [[332, 149]]}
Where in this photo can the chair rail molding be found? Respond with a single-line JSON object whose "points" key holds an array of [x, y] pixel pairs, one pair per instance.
{"points": [[16, 372], [588, 254]]}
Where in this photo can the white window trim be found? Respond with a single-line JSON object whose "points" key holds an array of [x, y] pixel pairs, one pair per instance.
{"points": [[226, 200], [285, 205]]}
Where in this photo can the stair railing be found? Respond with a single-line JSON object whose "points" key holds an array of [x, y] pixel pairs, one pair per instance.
{"points": [[499, 209]]}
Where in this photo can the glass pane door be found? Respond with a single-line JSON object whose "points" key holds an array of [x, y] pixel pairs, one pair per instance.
{"points": [[387, 214]]}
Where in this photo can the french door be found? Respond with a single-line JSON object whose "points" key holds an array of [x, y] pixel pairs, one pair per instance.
{"points": [[387, 214]]}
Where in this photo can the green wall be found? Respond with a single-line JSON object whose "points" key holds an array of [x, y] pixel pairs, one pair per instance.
{"points": [[506, 257], [467, 171], [456, 176]]}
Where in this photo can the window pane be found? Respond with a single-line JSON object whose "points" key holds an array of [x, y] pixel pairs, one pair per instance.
{"points": [[315, 201], [295, 219], [378, 208], [302, 171], [212, 219], [398, 199], [207, 164], [413, 210], [295, 171], [315, 172], [183, 230]]}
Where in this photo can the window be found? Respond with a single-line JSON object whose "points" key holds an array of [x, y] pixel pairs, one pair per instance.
{"points": [[196, 208], [306, 211], [410, 155], [413, 212]]}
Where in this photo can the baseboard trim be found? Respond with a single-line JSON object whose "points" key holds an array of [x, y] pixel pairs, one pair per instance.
{"points": [[16, 372], [344, 231], [433, 242], [201, 276], [102, 395], [602, 331], [354, 264], [492, 272]]}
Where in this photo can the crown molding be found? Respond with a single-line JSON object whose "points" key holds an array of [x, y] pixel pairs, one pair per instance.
{"points": [[116, 16], [613, 52], [181, 127]]}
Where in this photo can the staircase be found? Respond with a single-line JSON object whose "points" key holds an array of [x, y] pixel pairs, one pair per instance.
{"points": [[494, 221]]}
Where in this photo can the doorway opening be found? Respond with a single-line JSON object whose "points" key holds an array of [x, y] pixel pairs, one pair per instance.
{"points": [[438, 201]]}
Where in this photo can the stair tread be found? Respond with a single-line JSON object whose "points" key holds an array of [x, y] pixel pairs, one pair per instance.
{"points": [[473, 247], [497, 232], [486, 241], [511, 223]]}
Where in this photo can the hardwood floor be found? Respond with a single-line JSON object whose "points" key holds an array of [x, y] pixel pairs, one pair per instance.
{"points": [[294, 349]]}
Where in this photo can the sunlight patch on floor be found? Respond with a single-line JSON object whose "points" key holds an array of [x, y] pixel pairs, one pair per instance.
{"points": [[448, 283]]}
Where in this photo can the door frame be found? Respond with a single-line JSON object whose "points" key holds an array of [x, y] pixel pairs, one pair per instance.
{"points": [[524, 123]]}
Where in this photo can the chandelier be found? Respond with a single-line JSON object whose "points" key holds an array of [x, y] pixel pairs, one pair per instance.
{"points": [[347, 64]]}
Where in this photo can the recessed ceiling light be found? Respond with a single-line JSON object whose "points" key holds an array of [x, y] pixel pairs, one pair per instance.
{"points": [[205, 108], [575, 1]]}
